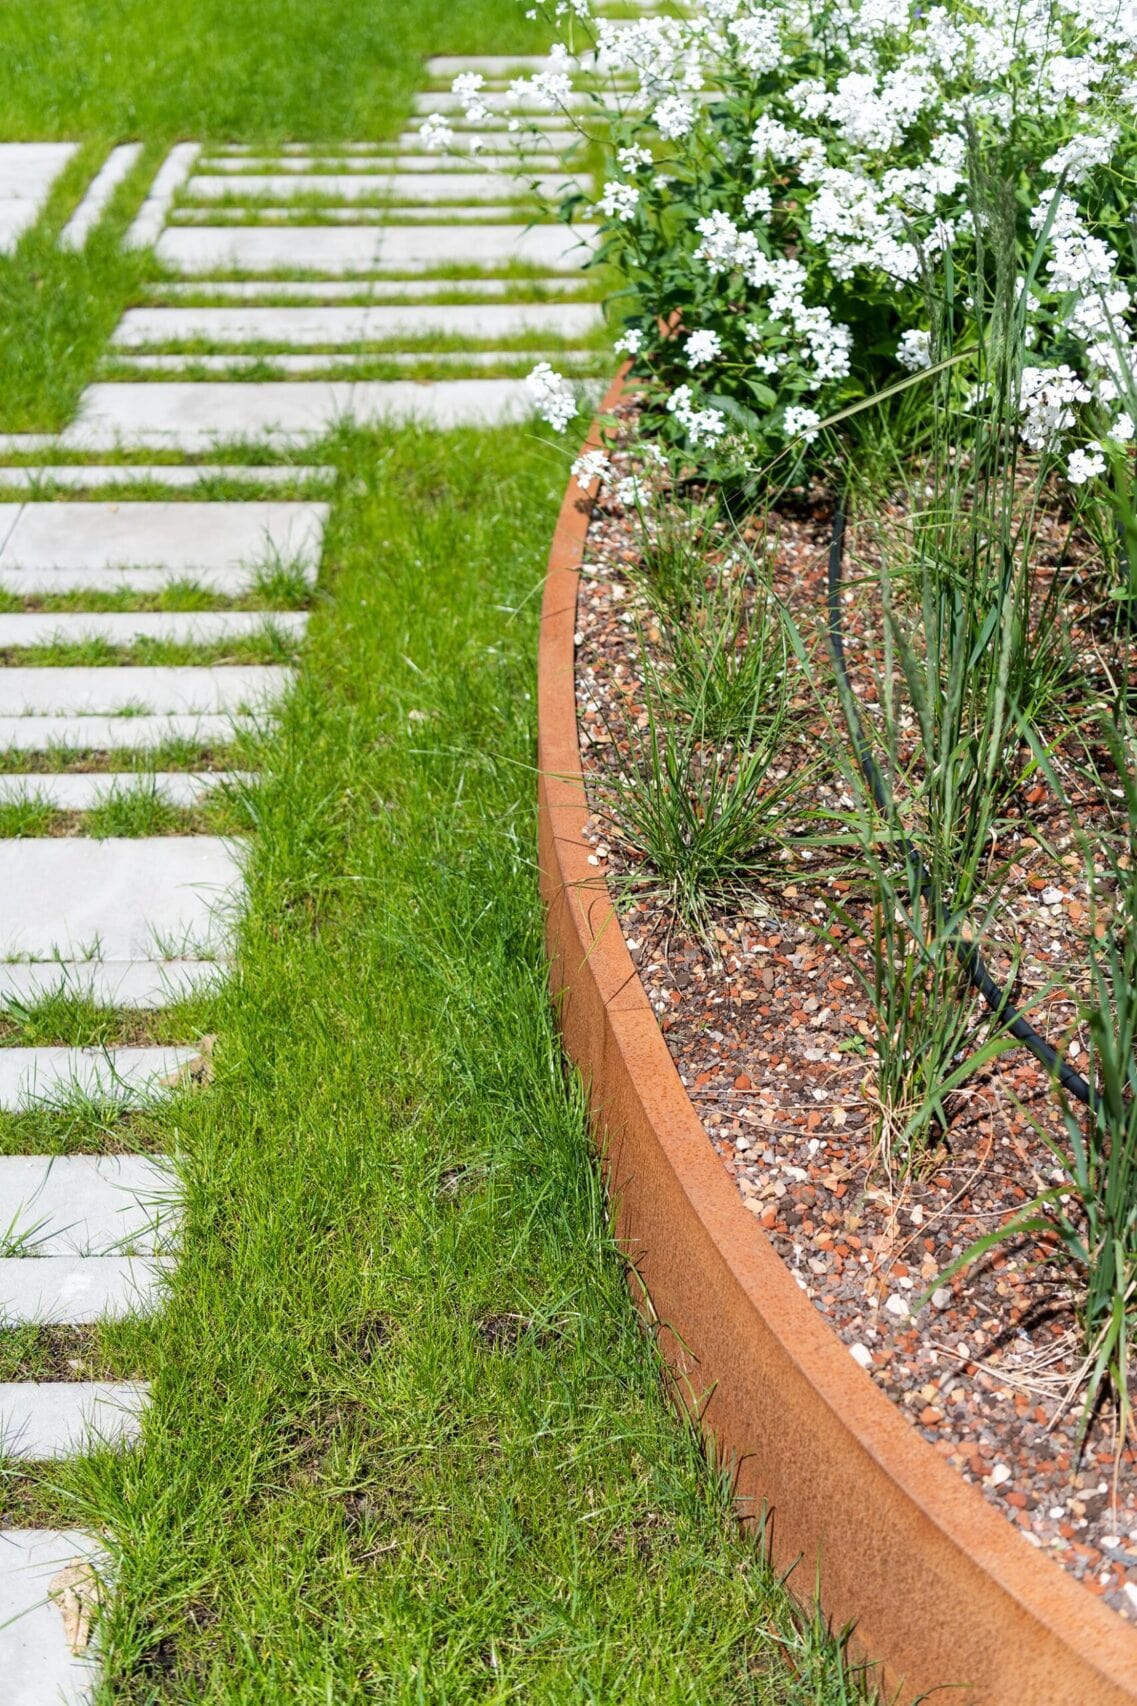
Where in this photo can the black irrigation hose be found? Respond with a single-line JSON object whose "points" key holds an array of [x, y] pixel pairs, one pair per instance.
{"points": [[998, 1000]]}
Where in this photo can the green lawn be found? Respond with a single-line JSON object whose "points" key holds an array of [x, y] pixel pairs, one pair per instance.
{"points": [[408, 1440]]}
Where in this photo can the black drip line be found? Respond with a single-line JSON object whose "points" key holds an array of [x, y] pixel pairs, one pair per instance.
{"points": [[998, 1000]]}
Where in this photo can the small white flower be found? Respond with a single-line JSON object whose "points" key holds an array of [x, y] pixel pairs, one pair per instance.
{"points": [[802, 423], [701, 347], [437, 134], [914, 351], [552, 398], [631, 343], [631, 159], [618, 200], [674, 118], [1083, 465], [757, 202], [591, 465]]}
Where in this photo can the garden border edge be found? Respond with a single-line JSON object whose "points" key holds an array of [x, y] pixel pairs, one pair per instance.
{"points": [[941, 1588]]}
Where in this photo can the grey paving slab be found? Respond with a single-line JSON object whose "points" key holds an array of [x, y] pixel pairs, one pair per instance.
{"points": [[118, 899], [178, 690], [87, 1205], [296, 327], [37, 1662], [189, 415], [224, 582], [314, 363], [178, 538], [171, 175], [375, 289], [131, 1076], [71, 733], [73, 1291], [178, 476], [487, 64], [136, 985], [376, 187], [330, 249], [27, 172], [417, 160], [82, 790], [496, 100], [40, 1420], [359, 215], [117, 166], [121, 628]]}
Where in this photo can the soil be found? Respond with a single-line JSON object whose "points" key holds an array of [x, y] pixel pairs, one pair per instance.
{"points": [[771, 1029]]}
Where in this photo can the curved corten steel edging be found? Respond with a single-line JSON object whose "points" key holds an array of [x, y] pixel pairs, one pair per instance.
{"points": [[941, 1588]]}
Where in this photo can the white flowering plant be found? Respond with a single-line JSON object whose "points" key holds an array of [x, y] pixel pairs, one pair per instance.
{"points": [[789, 182]]}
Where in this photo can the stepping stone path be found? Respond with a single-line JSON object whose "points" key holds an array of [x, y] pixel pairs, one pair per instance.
{"points": [[304, 287]]}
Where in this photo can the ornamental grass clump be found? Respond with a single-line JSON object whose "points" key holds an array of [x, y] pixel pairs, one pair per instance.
{"points": [[706, 812]]}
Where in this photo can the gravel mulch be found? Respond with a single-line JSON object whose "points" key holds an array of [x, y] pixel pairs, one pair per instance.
{"points": [[770, 1029]]}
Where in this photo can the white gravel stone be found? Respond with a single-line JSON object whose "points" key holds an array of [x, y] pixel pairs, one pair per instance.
{"points": [[117, 899], [898, 1306], [74, 1291], [37, 1663], [87, 1205], [40, 1420], [861, 1354], [119, 163], [141, 328]]}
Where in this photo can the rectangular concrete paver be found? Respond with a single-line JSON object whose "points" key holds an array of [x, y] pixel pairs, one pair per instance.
{"points": [[86, 1205], [82, 790], [115, 168], [135, 985], [37, 1663], [178, 690], [118, 898], [92, 476], [27, 172], [374, 289], [171, 175], [131, 1076], [112, 734], [140, 327], [332, 250], [40, 1420], [190, 416], [126, 628], [74, 1291], [178, 538], [377, 187]]}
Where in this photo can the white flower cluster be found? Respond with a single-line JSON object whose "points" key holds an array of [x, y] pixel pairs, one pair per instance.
{"points": [[773, 158], [551, 396]]}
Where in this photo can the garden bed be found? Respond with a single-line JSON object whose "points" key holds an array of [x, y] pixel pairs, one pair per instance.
{"points": [[740, 1049]]}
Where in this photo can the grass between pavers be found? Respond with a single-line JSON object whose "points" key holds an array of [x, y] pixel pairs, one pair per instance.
{"points": [[99, 73], [408, 1440]]}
